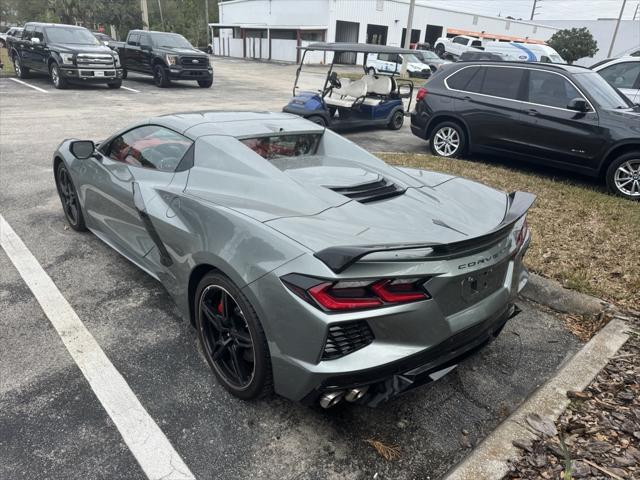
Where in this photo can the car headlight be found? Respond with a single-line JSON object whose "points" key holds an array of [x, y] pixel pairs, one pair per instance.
{"points": [[67, 58], [172, 59], [116, 59]]}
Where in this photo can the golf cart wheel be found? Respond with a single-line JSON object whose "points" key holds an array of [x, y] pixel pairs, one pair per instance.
{"points": [[317, 119], [21, 72], [448, 139], [69, 198], [397, 120], [160, 77], [205, 83], [371, 71], [56, 77], [116, 84], [623, 176], [439, 50], [232, 338]]}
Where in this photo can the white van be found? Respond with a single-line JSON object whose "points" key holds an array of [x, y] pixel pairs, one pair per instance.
{"points": [[524, 52]]}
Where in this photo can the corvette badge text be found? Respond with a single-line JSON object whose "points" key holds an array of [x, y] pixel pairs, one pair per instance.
{"points": [[486, 259]]}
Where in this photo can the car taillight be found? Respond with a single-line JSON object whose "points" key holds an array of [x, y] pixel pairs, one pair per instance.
{"points": [[345, 295], [422, 92], [522, 234]]}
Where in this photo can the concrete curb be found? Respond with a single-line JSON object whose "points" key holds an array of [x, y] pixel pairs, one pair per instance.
{"points": [[553, 295], [490, 459]]}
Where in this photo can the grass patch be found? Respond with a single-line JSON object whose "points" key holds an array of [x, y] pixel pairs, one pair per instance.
{"points": [[582, 237], [7, 71]]}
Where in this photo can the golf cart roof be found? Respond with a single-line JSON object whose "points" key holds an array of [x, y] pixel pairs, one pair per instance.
{"points": [[355, 47]]}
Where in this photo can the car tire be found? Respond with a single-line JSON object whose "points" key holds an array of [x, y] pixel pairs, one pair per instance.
{"points": [[232, 338], [623, 176], [124, 74], [439, 50], [448, 140], [56, 78], [371, 71], [160, 76], [397, 120], [317, 119], [114, 85], [21, 72], [205, 83], [69, 198]]}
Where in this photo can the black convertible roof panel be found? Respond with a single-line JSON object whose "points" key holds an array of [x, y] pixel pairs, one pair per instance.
{"points": [[355, 47]]}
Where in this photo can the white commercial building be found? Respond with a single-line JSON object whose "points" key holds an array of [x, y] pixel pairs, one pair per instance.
{"points": [[273, 29]]}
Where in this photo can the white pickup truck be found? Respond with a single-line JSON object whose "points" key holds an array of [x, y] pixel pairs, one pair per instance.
{"points": [[457, 45]]}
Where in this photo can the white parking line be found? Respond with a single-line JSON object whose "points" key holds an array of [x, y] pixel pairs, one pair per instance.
{"points": [[151, 448], [28, 85], [130, 89]]}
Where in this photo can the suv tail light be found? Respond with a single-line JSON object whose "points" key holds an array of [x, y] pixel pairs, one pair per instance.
{"points": [[348, 295], [422, 92], [522, 235]]}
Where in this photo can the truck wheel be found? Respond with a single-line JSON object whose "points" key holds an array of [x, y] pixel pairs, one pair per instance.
{"points": [[124, 73], [56, 77], [439, 49], [116, 84], [21, 72], [160, 76], [205, 83]]}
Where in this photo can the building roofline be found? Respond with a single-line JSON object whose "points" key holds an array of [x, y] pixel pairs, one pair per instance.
{"points": [[266, 26]]}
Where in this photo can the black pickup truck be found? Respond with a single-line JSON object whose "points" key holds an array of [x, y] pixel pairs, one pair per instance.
{"points": [[166, 56], [66, 53]]}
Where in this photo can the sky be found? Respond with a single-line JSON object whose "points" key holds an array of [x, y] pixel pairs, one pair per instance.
{"points": [[547, 9]]}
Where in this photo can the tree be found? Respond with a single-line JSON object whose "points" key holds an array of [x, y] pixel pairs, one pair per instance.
{"points": [[573, 44]]}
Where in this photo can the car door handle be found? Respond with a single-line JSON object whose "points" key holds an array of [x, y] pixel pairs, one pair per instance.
{"points": [[533, 112]]}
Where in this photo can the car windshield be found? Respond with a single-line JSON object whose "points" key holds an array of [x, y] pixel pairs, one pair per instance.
{"points": [[284, 146], [426, 55], [411, 58], [601, 91], [76, 36], [170, 40]]}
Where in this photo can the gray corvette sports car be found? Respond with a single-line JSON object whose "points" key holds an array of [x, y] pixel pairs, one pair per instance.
{"points": [[308, 266]]}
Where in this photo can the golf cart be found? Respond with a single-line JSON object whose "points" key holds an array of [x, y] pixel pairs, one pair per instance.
{"points": [[372, 100]]}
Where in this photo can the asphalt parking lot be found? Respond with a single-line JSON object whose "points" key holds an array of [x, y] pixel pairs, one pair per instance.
{"points": [[53, 426]]}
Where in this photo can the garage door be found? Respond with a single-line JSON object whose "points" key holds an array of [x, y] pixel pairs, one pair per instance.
{"points": [[347, 32]]}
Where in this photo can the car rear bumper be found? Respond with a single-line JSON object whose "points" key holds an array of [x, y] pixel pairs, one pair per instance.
{"points": [[91, 74]]}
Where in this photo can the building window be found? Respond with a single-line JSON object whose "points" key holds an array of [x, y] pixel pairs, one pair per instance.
{"points": [[379, 5]]}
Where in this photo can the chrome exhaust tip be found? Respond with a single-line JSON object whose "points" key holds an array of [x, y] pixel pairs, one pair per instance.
{"points": [[330, 399], [355, 394]]}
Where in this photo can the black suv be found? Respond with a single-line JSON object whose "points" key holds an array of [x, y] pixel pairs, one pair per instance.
{"points": [[560, 115], [66, 53]]}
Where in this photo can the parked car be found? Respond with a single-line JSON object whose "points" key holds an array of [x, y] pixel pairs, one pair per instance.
{"points": [[103, 37], [559, 115], [166, 56], [307, 266], [430, 58], [392, 63], [623, 73], [12, 33], [478, 56], [66, 53], [454, 47]]}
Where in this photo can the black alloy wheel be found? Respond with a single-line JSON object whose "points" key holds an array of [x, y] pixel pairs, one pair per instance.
{"points": [[160, 76], [69, 199], [232, 339]]}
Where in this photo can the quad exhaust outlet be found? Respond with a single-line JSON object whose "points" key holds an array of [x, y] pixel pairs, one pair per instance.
{"points": [[330, 399]]}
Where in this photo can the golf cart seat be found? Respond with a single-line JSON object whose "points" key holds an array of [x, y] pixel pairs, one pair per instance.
{"points": [[348, 94], [378, 88], [341, 92]]}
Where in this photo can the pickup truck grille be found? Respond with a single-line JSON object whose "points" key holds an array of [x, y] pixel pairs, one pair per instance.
{"points": [[94, 60], [194, 62]]}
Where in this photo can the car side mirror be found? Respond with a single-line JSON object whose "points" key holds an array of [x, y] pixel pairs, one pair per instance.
{"points": [[35, 40], [578, 104], [82, 149]]}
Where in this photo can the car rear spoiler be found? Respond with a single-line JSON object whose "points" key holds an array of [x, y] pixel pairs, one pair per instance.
{"points": [[339, 259]]}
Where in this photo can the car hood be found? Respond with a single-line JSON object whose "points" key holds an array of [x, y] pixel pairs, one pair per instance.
{"points": [[77, 48], [441, 209]]}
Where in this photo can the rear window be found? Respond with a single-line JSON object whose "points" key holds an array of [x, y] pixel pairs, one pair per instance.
{"points": [[284, 146]]}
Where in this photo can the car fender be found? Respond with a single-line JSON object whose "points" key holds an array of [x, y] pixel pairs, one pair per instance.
{"points": [[448, 115], [606, 158]]}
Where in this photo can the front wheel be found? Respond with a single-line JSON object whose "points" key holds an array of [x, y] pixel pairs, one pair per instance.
{"points": [[623, 176], [21, 72], [448, 140], [56, 77], [69, 198], [439, 50], [205, 83], [232, 338], [160, 76], [116, 84], [397, 120]]}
